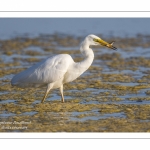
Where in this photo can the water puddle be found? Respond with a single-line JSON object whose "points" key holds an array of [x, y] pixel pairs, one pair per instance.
{"points": [[96, 116]]}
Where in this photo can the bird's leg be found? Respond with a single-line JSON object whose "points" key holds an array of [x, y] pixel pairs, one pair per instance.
{"points": [[49, 86], [61, 92]]}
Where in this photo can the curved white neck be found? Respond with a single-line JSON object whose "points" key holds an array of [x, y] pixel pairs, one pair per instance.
{"points": [[88, 56], [85, 50]]}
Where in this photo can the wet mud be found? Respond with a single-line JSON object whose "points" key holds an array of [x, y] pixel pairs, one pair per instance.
{"points": [[113, 95]]}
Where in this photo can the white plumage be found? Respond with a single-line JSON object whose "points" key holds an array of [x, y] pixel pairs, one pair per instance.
{"points": [[54, 71]]}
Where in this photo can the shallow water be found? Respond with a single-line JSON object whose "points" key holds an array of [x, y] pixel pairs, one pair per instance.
{"points": [[115, 88]]}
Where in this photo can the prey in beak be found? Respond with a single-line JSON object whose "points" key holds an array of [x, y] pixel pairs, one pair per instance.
{"points": [[104, 43]]}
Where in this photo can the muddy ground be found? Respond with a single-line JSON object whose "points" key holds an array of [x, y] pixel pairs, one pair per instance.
{"points": [[112, 96]]}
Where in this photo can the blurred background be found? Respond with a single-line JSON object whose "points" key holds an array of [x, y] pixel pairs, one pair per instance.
{"points": [[10, 27]]}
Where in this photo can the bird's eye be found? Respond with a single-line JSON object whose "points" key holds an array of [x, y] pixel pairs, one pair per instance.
{"points": [[95, 40]]}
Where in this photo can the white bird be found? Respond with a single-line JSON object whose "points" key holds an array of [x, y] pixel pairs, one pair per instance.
{"points": [[54, 71]]}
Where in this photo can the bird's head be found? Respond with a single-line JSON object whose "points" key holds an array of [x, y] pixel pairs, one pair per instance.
{"points": [[95, 40]]}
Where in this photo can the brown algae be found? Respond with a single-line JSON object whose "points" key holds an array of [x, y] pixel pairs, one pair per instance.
{"points": [[112, 96]]}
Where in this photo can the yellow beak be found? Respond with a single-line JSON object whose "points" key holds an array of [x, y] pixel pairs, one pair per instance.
{"points": [[104, 43]]}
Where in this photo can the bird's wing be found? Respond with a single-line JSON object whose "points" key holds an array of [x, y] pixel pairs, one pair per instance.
{"points": [[47, 71]]}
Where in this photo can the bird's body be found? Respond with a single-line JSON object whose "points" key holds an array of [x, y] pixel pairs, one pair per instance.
{"points": [[58, 69], [54, 71]]}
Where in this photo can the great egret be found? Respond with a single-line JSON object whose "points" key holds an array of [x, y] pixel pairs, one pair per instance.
{"points": [[54, 71]]}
